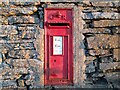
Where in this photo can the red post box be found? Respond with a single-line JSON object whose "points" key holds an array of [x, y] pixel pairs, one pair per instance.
{"points": [[58, 46]]}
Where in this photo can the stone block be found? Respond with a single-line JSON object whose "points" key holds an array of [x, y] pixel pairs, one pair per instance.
{"points": [[18, 70], [113, 79], [106, 59], [0, 58], [3, 20], [106, 23], [98, 30], [21, 83], [9, 83], [98, 9], [22, 54], [19, 63], [5, 69], [6, 30], [101, 15], [109, 66], [106, 3], [99, 52], [26, 3], [22, 46], [27, 34], [116, 54], [103, 41], [90, 68], [21, 19], [24, 10], [26, 27], [7, 11], [90, 58]]}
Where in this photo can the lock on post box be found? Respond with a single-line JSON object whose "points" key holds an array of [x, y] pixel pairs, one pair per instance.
{"points": [[58, 46]]}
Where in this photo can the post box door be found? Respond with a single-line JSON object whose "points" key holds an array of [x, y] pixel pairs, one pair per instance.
{"points": [[58, 47], [58, 57]]}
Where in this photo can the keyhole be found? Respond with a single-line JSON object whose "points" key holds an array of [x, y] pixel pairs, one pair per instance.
{"points": [[54, 60]]}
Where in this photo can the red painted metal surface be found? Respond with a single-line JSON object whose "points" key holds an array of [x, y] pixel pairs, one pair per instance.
{"points": [[58, 46]]}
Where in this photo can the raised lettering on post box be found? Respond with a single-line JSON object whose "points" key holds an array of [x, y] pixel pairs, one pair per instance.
{"points": [[58, 65]]}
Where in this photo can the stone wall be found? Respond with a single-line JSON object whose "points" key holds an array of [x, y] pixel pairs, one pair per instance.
{"points": [[102, 34], [96, 43]]}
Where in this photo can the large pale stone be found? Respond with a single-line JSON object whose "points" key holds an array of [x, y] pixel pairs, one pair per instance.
{"points": [[106, 23], [102, 41], [101, 15]]}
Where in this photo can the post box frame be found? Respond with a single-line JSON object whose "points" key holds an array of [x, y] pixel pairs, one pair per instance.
{"points": [[69, 81]]}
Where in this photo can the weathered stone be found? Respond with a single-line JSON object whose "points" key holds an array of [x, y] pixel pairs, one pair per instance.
{"points": [[107, 59], [0, 58], [31, 34], [102, 41], [114, 30], [113, 79], [26, 27], [20, 63], [109, 66], [4, 3], [23, 63], [19, 10], [17, 41], [90, 58], [5, 69], [106, 23], [30, 80], [4, 11], [21, 83], [99, 52], [101, 15], [98, 31], [90, 68], [98, 9], [24, 46], [24, 10], [18, 70], [6, 30], [26, 3], [106, 3], [3, 20], [9, 83], [21, 19], [0, 79], [21, 54], [98, 75], [116, 54]]}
